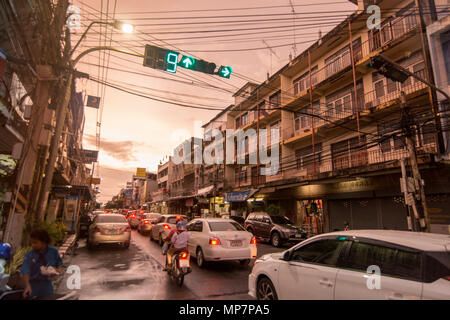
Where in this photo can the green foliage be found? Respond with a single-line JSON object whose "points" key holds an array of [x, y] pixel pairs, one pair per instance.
{"points": [[273, 209], [15, 263], [56, 231]]}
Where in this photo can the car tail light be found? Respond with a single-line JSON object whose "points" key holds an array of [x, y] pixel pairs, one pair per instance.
{"points": [[214, 242], [253, 240], [145, 221], [96, 229], [447, 278], [167, 227]]}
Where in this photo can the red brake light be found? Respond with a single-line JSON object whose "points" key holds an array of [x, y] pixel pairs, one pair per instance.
{"points": [[167, 227], [447, 278], [253, 241], [184, 255], [96, 229], [214, 241], [145, 221]]}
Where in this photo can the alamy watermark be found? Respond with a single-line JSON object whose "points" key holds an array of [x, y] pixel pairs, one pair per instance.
{"points": [[374, 21], [74, 281], [74, 19], [374, 277], [238, 144]]}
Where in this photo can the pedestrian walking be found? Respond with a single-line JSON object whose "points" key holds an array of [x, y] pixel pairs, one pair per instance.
{"points": [[39, 265]]}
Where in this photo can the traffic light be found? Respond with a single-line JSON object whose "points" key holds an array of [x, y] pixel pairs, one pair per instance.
{"points": [[388, 69], [225, 72], [197, 65], [162, 59], [187, 62], [168, 60]]}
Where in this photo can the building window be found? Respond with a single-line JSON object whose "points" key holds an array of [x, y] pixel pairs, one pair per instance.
{"points": [[302, 83], [305, 158], [275, 100], [244, 119], [303, 121], [347, 154], [393, 141], [238, 123]]}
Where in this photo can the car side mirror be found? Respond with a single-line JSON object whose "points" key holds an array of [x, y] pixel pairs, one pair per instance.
{"points": [[286, 256]]}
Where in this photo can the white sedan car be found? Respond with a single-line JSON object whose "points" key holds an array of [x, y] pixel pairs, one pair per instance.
{"points": [[220, 239], [359, 264]]}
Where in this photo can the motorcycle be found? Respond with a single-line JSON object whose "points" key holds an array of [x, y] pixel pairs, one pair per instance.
{"points": [[180, 267], [6, 293]]}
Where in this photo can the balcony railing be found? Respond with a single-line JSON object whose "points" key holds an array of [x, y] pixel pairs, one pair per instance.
{"points": [[380, 96], [369, 157], [390, 32]]}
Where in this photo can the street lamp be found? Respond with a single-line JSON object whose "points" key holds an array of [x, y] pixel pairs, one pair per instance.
{"points": [[116, 24], [125, 27]]}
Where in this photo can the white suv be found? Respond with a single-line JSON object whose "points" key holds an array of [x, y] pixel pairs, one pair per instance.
{"points": [[360, 264]]}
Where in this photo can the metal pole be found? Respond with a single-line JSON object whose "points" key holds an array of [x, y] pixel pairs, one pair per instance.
{"points": [[352, 57], [405, 193], [312, 112], [60, 121], [420, 192]]}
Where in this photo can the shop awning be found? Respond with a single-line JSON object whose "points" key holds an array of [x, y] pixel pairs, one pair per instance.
{"points": [[239, 196], [205, 191]]}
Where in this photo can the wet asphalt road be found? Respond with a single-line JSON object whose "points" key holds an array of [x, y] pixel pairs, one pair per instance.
{"points": [[110, 272]]}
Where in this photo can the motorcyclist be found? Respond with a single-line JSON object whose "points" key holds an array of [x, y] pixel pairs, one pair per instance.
{"points": [[179, 241], [5, 254]]}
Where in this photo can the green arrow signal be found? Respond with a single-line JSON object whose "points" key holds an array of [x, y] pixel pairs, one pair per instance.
{"points": [[225, 72], [188, 62]]}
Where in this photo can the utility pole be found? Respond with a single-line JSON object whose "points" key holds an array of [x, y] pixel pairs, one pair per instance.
{"points": [[419, 204]]}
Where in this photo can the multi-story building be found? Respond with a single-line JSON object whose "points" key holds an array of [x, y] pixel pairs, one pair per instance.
{"points": [[161, 195], [182, 180], [339, 126], [438, 36], [210, 177]]}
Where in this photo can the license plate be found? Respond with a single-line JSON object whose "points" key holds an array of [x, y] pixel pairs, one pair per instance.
{"points": [[113, 231], [236, 243], [298, 235], [184, 263]]}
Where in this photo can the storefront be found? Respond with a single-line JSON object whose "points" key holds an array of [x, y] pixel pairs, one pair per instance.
{"points": [[363, 202], [238, 202]]}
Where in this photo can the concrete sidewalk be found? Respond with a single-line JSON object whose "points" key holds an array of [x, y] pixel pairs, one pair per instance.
{"points": [[67, 244]]}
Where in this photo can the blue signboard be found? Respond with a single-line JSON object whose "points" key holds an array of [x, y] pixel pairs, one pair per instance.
{"points": [[239, 196]]}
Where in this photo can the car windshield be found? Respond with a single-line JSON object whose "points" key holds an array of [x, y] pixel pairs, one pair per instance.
{"points": [[111, 219], [280, 220], [225, 226]]}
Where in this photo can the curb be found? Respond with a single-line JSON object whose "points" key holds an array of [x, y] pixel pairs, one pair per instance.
{"points": [[68, 243]]}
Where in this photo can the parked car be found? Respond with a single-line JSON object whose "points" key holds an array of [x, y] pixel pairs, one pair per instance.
{"points": [[340, 265], [133, 220], [164, 225], [109, 228], [215, 239], [274, 228], [147, 222]]}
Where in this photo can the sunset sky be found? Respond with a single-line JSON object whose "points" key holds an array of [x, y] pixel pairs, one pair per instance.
{"points": [[139, 132]]}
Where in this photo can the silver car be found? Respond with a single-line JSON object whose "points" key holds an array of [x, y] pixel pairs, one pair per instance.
{"points": [[109, 228], [147, 221], [164, 225]]}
